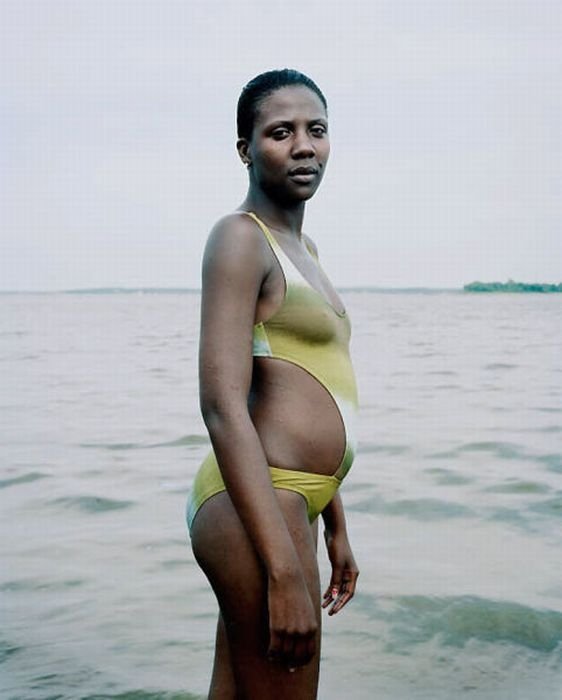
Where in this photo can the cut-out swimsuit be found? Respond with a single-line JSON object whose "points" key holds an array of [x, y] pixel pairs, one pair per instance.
{"points": [[310, 333]]}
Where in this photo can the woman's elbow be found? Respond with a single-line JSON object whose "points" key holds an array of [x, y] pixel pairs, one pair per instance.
{"points": [[219, 413]]}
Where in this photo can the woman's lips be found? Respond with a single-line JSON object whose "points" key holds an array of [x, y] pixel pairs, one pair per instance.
{"points": [[303, 178], [303, 175]]}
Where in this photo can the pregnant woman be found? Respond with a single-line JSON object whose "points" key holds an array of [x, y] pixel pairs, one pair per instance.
{"points": [[278, 397]]}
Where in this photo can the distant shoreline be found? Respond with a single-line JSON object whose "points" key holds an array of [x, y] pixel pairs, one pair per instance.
{"points": [[512, 286], [188, 290]]}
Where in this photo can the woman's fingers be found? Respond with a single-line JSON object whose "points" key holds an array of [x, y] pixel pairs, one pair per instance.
{"points": [[288, 654], [336, 582], [293, 625], [275, 645], [330, 595], [340, 601], [337, 597], [304, 650], [291, 650]]}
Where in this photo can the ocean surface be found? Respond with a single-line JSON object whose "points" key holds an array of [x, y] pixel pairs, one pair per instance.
{"points": [[454, 502]]}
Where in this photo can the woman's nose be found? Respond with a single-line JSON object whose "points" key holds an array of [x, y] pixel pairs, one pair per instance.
{"points": [[302, 145]]}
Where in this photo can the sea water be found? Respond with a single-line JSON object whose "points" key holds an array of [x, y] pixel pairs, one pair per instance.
{"points": [[454, 503]]}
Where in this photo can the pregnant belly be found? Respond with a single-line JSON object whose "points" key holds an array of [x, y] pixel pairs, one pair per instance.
{"points": [[296, 418]]}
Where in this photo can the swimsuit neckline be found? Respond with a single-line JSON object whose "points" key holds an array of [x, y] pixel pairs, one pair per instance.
{"points": [[341, 314]]}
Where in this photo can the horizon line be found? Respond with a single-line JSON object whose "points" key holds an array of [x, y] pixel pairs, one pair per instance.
{"points": [[196, 290]]}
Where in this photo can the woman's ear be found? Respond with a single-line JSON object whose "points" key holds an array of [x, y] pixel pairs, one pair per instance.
{"points": [[243, 148]]}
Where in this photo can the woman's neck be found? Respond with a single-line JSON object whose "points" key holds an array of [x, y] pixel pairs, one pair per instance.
{"points": [[281, 218]]}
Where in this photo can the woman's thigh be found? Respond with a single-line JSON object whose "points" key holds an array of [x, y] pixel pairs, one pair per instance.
{"points": [[237, 576]]}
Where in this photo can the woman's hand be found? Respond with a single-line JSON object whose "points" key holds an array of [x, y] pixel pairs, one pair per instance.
{"points": [[292, 621], [344, 571]]}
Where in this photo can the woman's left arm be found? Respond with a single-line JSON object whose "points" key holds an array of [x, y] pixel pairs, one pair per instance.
{"points": [[344, 569]]}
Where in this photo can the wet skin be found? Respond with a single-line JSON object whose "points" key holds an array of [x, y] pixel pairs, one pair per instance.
{"points": [[253, 542]]}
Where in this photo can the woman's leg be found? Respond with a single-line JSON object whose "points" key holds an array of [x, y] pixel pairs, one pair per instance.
{"points": [[223, 686], [227, 557]]}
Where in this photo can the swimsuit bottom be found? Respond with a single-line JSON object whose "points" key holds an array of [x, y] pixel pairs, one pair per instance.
{"points": [[316, 489]]}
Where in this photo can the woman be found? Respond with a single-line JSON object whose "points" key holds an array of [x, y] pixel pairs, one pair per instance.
{"points": [[277, 393]]}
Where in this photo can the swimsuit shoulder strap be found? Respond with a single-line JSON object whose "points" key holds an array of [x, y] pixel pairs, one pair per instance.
{"points": [[290, 270], [266, 232]]}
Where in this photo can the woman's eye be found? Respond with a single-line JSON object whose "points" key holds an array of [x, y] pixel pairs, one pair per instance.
{"points": [[280, 134], [318, 131]]}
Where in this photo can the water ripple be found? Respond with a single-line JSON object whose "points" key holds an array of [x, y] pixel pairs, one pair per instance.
{"points": [[553, 462], [548, 429], [92, 504], [550, 507], [26, 586], [504, 450], [512, 516], [457, 620], [7, 650], [515, 486], [23, 479], [189, 440], [500, 365], [416, 509], [143, 695], [373, 448], [454, 620], [447, 477]]}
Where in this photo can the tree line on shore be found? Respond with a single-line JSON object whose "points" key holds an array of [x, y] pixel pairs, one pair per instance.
{"points": [[511, 286]]}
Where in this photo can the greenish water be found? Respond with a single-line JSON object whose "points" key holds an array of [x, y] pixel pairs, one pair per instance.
{"points": [[454, 502]]}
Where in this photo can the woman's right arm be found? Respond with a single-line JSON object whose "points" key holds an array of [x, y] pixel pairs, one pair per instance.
{"points": [[234, 267], [343, 581]]}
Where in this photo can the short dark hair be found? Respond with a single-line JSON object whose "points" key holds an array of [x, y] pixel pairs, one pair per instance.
{"points": [[263, 85]]}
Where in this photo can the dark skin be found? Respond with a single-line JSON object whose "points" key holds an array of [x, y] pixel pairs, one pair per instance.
{"points": [[254, 542]]}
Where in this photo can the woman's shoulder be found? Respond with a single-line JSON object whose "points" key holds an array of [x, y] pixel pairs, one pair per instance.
{"points": [[236, 238], [237, 223]]}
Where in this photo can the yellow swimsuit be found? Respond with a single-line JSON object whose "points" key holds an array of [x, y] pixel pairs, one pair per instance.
{"points": [[310, 333]]}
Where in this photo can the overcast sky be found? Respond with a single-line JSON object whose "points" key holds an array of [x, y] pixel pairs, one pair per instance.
{"points": [[117, 136]]}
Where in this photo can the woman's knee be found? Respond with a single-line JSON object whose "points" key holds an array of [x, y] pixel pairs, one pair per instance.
{"points": [[239, 581]]}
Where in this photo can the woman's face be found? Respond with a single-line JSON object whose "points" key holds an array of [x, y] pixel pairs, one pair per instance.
{"points": [[289, 147]]}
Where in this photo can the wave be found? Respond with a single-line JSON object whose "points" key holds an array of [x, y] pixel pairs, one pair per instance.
{"points": [[500, 365], [373, 448], [503, 450], [186, 440], [515, 486], [92, 504], [413, 508], [553, 462], [29, 585], [23, 479], [550, 507], [454, 621], [143, 695], [7, 650], [448, 477], [548, 429]]}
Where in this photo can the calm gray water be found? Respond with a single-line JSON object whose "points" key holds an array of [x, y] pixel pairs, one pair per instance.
{"points": [[454, 502]]}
